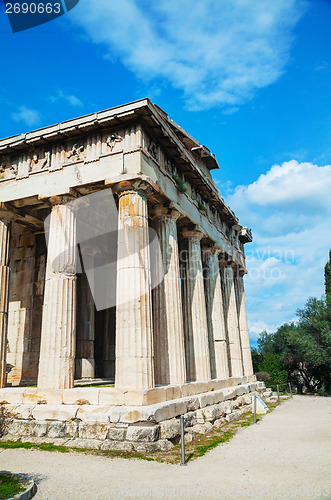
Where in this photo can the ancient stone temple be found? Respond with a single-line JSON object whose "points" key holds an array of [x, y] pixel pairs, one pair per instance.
{"points": [[120, 264]]}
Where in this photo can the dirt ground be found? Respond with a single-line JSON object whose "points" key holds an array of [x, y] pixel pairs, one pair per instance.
{"points": [[286, 455]]}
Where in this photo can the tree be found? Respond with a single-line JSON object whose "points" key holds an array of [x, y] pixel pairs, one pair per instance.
{"points": [[299, 351], [327, 278]]}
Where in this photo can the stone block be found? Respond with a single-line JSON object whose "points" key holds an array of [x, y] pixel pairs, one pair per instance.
{"points": [[164, 445], [189, 417], [92, 430], [188, 437], [154, 396], [169, 410], [49, 412], [129, 414], [14, 395], [193, 388], [193, 403], [37, 396], [117, 446], [218, 396], [206, 399], [170, 428], [214, 385], [24, 411], [20, 428], [116, 433], [219, 423], [199, 417], [211, 413], [56, 430], [74, 396], [242, 389], [89, 413], [229, 394], [90, 444], [173, 392], [202, 428], [146, 447], [111, 396], [232, 416], [72, 429], [143, 433]]}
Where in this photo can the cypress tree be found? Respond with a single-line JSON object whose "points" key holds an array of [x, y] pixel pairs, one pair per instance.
{"points": [[327, 276]]}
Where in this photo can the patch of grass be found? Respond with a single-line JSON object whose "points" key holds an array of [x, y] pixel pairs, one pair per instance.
{"points": [[10, 485], [97, 386], [63, 449]]}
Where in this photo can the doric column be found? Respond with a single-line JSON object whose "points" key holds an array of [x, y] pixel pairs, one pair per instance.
{"points": [[232, 323], [169, 350], [58, 333], [134, 332], [243, 326], [196, 329], [4, 284], [215, 315]]}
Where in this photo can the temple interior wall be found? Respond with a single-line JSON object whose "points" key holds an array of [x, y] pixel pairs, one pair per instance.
{"points": [[26, 288]]}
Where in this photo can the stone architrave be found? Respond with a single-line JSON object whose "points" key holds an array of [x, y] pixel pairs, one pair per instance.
{"points": [[243, 326], [215, 315], [169, 355], [232, 323], [134, 331], [197, 339], [58, 334], [4, 285]]}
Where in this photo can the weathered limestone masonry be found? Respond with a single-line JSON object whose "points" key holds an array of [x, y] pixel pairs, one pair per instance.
{"points": [[168, 327]]}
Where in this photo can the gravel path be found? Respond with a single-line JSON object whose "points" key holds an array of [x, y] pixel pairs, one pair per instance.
{"points": [[287, 455]]}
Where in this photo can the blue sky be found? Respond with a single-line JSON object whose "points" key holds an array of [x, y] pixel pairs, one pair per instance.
{"points": [[250, 79]]}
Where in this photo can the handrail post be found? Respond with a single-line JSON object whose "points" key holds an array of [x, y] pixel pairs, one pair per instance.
{"points": [[182, 440], [254, 403], [290, 387], [278, 394]]}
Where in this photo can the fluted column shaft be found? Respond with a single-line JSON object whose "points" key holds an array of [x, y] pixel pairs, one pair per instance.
{"points": [[215, 316], [169, 354], [243, 327], [4, 285], [197, 338], [134, 332], [58, 334], [232, 324]]}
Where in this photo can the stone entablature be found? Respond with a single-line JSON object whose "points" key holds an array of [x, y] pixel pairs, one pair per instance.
{"points": [[113, 154]]}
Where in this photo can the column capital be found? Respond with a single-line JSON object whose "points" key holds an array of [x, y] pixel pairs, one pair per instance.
{"points": [[211, 249], [194, 233], [136, 185], [63, 198], [161, 211], [6, 217]]}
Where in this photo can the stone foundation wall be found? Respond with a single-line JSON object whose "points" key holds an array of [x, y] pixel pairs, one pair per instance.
{"points": [[143, 429]]}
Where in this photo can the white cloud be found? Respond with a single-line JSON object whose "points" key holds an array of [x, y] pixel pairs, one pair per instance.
{"points": [[289, 209], [71, 99], [29, 116], [218, 52]]}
